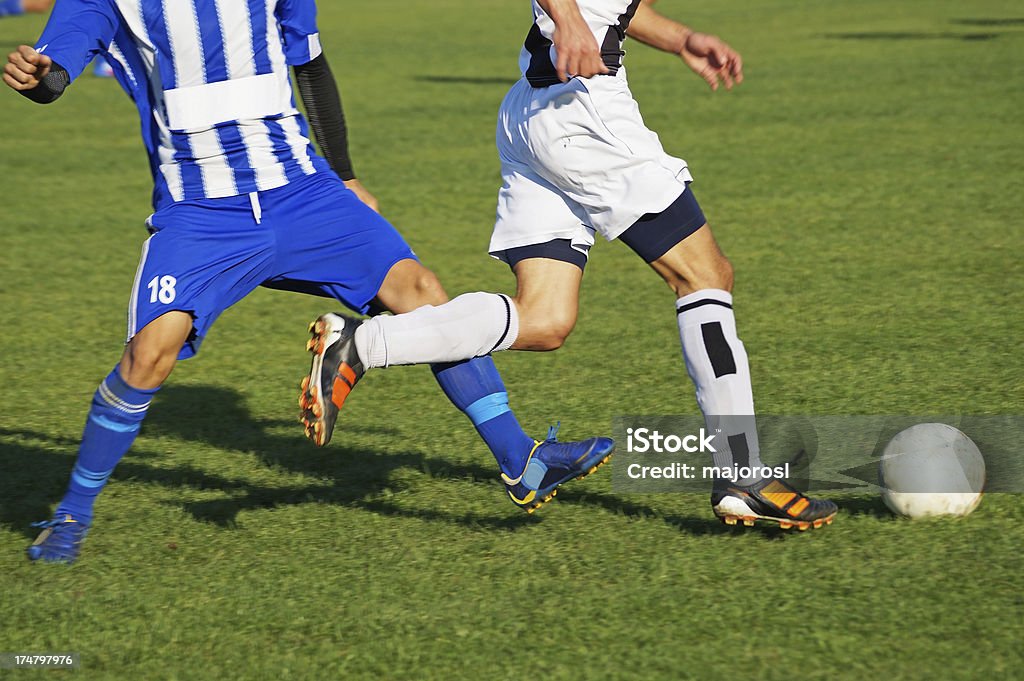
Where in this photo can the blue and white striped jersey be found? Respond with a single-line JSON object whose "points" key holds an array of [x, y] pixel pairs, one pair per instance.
{"points": [[210, 81]]}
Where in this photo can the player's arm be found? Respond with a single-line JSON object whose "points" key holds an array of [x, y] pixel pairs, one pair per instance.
{"points": [[577, 49], [75, 33], [707, 55], [320, 95]]}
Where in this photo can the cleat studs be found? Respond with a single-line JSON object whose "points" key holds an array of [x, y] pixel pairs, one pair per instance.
{"points": [[748, 522], [785, 525], [803, 527], [818, 523], [828, 521], [729, 520]]}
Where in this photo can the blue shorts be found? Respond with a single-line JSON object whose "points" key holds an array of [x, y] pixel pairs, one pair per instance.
{"points": [[312, 236]]}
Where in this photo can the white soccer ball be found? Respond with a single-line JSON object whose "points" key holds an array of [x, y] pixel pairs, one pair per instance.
{"points": [[931, 469]]}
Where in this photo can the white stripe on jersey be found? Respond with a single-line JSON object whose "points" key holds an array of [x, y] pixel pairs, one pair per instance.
{"points": [[315, 49], [277, 60], [218, 177], [269, 171], [118, 55], [237, 32], [186, 46], [298, 143]]}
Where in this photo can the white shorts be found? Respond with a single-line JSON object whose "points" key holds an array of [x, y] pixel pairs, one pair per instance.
{"points": [[577, 159]]}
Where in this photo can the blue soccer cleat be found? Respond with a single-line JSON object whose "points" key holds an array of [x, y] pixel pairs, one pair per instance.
{"points": [[552, 464], [60, 541]]}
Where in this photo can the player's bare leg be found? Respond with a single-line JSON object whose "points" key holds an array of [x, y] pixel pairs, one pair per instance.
{"points": [[702, 278], [152, 353], [117, 411], [547, 298]]}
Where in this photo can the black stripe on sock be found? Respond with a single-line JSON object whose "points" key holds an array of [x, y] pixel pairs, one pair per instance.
{"points": [[508, 322], [739, 450], [719, 352], [700, 303]]}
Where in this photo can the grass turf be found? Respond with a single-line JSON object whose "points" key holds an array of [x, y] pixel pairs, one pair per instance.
{"points": [[865, 182]]}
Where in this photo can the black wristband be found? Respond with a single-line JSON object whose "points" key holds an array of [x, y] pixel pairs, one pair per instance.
{"points": [[50, 87], [320, 95]]}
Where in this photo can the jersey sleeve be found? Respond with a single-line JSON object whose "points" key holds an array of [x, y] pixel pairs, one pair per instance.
{"points": [[298, 28], [77, 31]]}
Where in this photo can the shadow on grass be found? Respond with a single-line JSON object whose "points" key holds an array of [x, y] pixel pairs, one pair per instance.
{"points": [[987, 21], [467, 80], [863, 505], [37, 468], [912, 35]]}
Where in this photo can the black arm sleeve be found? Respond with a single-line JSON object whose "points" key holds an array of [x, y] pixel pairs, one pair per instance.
{"points": [[50, 87], [320, 95]]}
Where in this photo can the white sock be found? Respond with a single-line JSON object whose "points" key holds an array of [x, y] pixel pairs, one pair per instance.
{"points": [[717, 362], [472, 325]]}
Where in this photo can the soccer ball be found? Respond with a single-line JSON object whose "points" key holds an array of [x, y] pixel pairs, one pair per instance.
{"points": [[931, 469]]}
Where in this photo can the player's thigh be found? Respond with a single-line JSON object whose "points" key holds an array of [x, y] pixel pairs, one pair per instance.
{"points": [[547, 299], [203, 257], [695, 263], [679, 245], [330, 243]]}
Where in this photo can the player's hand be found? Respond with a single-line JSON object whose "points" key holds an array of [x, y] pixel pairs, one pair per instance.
{"points": [[362, 194], [577, 49], [25, 68], [712, 59]]}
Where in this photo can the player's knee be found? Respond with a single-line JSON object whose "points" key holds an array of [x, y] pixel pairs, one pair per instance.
{"points": [[545, 332], [147, 365], [410, 285], [716, 273], [426, 287]]}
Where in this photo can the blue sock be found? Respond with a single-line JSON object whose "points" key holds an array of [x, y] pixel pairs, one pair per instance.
{"points": [[475, 387], [10, 7], [114, 419]]}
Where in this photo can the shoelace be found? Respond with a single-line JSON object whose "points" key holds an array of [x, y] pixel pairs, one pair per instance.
{"points": [[553, 432], [66, 532], [56, 522]]}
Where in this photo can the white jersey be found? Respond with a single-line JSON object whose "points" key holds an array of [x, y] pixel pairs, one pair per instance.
{"points": [[607, 19]]}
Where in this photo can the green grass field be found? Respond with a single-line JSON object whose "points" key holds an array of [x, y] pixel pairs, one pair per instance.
{"points": [[866, 182]]}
